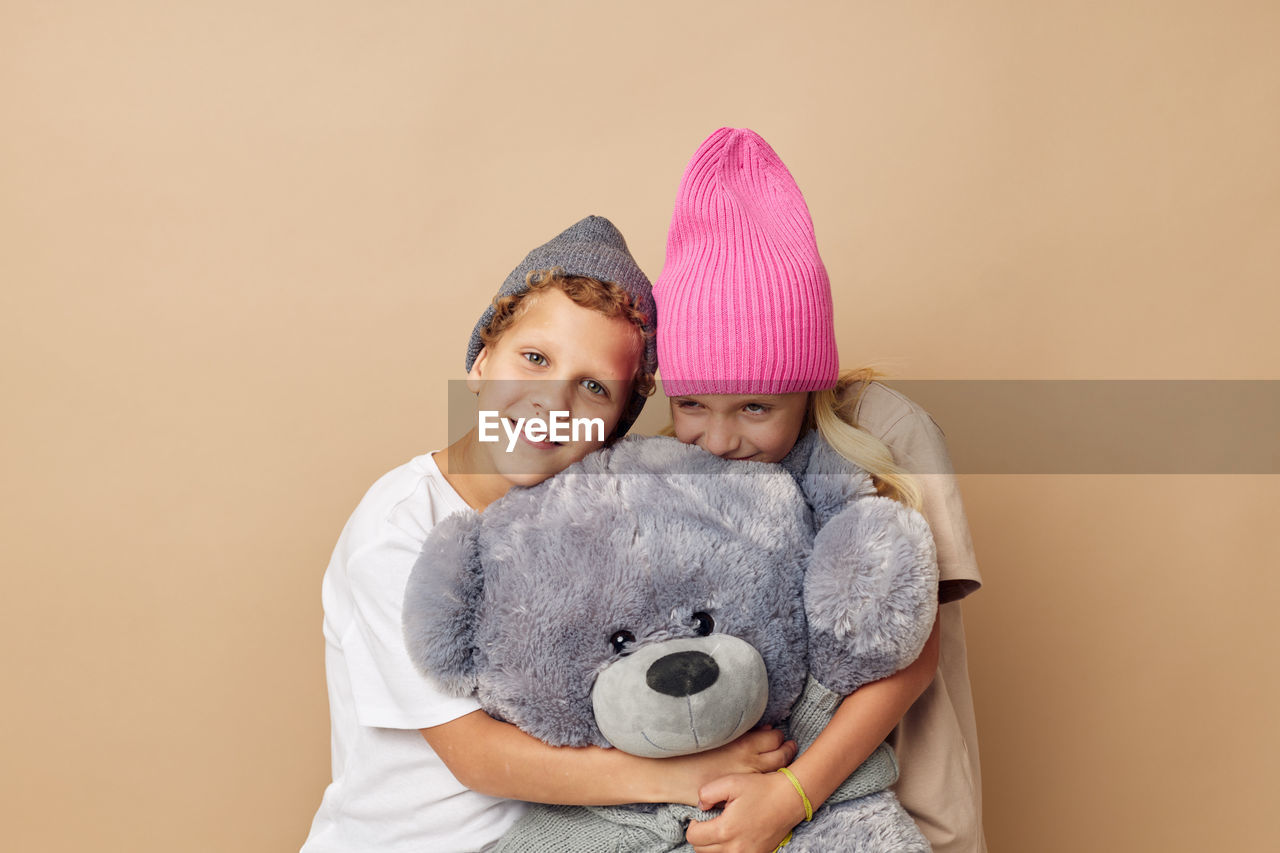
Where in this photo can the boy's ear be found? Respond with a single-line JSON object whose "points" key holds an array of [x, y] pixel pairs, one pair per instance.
{"points": [[442, 604], [476, 373]]}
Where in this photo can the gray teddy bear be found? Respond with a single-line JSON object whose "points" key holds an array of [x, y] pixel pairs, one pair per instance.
{"points": [[658, 599]]}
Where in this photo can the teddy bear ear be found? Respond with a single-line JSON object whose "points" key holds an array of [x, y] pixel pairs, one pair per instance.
{"points": [[442, 602]]}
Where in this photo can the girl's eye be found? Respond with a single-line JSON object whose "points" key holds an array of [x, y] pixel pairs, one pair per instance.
{"points": [[621, 639], [536, 358], [594, 387], [686, 404], [705, 624], [756, 408]]}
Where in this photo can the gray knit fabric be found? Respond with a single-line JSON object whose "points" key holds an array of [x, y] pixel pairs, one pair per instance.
{"points": [[661, 828], [594, 248]]}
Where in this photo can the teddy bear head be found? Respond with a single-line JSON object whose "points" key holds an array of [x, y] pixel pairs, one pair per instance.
{"points": [[649, 597]]}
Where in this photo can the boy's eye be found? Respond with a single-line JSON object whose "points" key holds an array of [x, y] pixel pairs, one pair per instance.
{"points": [[594, 387], [536, 358]]}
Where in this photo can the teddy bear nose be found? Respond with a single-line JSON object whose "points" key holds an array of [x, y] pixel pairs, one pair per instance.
{"points": [[682, 673]]}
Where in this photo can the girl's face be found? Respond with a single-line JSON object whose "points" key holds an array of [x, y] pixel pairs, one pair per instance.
{"points": [[759, 427]]}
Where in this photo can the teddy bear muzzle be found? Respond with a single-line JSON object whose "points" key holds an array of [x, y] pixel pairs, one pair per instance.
{"points": [[680, 696]]}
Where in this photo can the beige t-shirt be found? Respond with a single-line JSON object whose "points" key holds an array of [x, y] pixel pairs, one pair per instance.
{"points": [[937, 739]]}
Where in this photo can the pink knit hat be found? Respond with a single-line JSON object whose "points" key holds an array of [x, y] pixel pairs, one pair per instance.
{"points": [[744, 302]]}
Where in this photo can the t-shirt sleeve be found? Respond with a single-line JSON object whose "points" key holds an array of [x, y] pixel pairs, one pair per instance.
{"points": [[388, 689], [918, 445]]}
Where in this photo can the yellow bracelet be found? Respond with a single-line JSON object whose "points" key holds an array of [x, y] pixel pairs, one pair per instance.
{"points": [[784, 843], [795, 783]]}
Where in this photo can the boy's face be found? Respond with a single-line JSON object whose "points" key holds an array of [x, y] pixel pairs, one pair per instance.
{"points": [[558, 357], [759, 427]]}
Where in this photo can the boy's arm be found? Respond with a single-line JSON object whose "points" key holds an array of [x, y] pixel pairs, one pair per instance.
{"points": [[498, 759], [760, 810]]}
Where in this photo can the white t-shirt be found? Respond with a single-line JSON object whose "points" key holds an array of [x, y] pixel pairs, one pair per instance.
{"points": [[390, 791]]}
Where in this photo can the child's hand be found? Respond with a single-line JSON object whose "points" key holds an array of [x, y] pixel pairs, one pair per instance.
{"points": [[759, 810], [758, 751]]}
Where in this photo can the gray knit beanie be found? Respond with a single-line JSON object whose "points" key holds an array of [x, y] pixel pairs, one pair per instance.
{"points": [[593, 248]]}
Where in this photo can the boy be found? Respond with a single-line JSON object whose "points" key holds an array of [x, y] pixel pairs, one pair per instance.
{"points": [[570, 331]]}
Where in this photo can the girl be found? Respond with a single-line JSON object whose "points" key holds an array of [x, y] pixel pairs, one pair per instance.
{"points": [[747, 351]]}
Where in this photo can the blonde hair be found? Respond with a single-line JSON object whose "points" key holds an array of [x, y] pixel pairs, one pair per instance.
{"points": [[831, 413], [604, 297]]}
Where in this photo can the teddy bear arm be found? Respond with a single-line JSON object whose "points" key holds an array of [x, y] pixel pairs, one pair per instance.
{"points": [[441, 602], [870, 593]]}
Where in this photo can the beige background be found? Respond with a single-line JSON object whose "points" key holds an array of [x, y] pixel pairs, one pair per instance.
{"points": [[243, 243]]}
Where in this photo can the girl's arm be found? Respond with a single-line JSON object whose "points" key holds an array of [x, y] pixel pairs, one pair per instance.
{"points": [[761, 809], [871, 597], [498, 759]]}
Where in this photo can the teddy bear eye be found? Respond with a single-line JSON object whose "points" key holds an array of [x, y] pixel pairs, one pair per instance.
{"points": [[621, 640], [705, 624]]}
